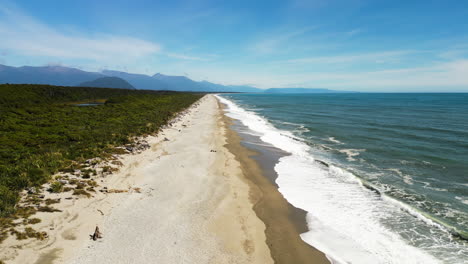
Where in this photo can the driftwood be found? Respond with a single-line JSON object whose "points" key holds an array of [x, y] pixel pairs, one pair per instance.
{"points": [[96, 234]]}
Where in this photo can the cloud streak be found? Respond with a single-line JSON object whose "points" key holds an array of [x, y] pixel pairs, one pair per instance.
{"points": [[26, 36], [185, 57], [378, 57], [354, 32], [274, 43]]}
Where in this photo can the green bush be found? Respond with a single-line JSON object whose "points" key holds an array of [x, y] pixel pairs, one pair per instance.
{"points": [[8, 199], [56, 187]]}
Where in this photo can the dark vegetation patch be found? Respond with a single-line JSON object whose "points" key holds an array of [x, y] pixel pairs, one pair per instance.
{"points": [[29, 232], [56, 187], [42, 133], [81, 192]]}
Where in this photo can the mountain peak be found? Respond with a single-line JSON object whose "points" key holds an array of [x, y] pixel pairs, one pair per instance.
{"points": [[108, 82], [163, 76]]}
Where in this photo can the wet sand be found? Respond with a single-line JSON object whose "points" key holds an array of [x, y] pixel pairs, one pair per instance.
{"points": [[284, 222]]}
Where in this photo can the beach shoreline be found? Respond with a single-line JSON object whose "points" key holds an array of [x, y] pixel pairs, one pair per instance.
{"points": [[284, 222]]}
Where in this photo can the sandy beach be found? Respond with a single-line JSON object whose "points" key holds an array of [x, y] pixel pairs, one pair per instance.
{"points": [[193, 197], [284, 222]]}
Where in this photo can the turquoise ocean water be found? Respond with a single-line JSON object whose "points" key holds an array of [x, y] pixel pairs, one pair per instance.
{"points": [[384, 177]]}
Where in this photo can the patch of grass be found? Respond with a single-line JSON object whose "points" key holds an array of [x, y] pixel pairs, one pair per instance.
{"points": [[29, 232], [73, 181], [6, 223], [81, 192], [92, 183], [47, 209], [49, 201], [56, 187], [24, 212], [106, 169], [117, 191], [116, 162], [3, 236], [33, 199], [33, 221], [119, 151], [80, 185], [19, 235]]}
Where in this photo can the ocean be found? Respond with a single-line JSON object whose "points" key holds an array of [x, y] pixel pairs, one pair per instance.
{"points": [[383, 177]]}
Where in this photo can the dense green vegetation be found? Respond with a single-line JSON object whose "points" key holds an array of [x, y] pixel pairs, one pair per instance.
{"points": [[42, 130]]}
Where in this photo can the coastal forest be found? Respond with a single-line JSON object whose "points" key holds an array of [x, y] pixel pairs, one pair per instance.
{"points": [[46, 129]]}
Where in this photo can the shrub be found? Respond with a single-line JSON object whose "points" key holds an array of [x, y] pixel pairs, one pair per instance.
{"points": [[56, 187], [81, 192], [33, 221], [8, 199], [47, 209]]}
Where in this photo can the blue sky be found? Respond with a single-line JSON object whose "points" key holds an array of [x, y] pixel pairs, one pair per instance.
{"points": [[363, 45]]}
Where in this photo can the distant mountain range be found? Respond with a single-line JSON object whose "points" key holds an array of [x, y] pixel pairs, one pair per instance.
{"points": [[140, 81], [54, 75], [66, 76], [108, 82]]}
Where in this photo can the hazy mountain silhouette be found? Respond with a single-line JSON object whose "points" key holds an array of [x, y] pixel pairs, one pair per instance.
{"points": [[231, 88], [55, 75], [139, 81], [108, 82], [65, 76], [181, 83]]}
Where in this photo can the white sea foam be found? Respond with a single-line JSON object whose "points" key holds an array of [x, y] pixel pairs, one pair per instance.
{"points": [[344, 218], [427, 185], [463, 200], [351, 153], [334, 140], [301, 129], [406, 178]]}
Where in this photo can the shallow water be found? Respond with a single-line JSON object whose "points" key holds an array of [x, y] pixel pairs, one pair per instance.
{"points": [[396, 185]]}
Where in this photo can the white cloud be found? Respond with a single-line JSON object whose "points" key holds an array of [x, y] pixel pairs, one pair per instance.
{"points": [[274, 43], [354, 32], [185, 57], [378, 57], [24, 35]]}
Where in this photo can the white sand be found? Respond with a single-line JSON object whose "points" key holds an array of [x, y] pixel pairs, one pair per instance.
{"points": [[193, 207]]}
